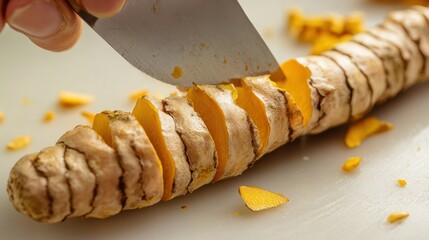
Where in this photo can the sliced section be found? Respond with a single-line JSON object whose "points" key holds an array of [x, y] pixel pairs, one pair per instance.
{"points": [[235, 136], [199, 144], [330, 81], [143, 179], [160, 129], [266, 106], [296, 84]]}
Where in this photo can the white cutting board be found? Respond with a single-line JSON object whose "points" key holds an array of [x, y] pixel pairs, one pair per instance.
{"points": [[324, 202]]}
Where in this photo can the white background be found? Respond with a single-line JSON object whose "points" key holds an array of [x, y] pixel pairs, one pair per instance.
{"points": [[324, 202]]}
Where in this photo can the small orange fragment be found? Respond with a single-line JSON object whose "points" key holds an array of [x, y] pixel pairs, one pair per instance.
{"points": [[136, 95], [363, 129], [351, 164], [89, 116], [397, 216], [402, 182], [71, 99], [2, 116], [49, 116], [257, 199], [25, 101], [177, 72], [19, 143]]}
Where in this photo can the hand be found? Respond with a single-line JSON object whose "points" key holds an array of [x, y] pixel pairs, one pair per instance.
{"points": [[52, 24]]}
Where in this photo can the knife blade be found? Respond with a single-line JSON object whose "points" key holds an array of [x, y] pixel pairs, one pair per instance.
{"points": [[186, 42]]}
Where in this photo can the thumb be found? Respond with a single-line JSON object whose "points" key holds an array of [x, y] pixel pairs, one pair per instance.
{"points": [[2, 14], [50, 24]]}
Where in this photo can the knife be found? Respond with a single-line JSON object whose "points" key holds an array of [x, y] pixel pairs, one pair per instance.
{"points": [[186, 42]]}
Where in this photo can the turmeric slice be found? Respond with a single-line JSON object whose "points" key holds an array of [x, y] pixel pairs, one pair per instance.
{"points": [[19, 143], [364, 129], [136, 95], [232, 130], [248, 100], [257, 199], [71, 99], [296, 84], [49, 116], [351, 164], [209, 111], [160, 128], [147, 115], [397, 216]]}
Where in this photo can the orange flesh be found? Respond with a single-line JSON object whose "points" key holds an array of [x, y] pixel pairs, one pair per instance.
{"points": [[147, 115], [248, 101], [213, 117], [101, 127], [296, 84]]}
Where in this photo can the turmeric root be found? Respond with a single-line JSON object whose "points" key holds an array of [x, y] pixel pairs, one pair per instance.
{"points": [[173, 146]]}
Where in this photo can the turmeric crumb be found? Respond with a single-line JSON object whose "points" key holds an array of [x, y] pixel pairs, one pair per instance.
{"points": [[89, 116], [225, 61], [177, 72], [397, 216], [71, 99], [257, 199], [25, 101], [268, 32], [49, 116], [351, 164], [2, 116], [238, 214], [158, 96], [326, 42], [136, 95], [323, 32], [402, 182], [184, 207], [19, 143], [364, 129]]}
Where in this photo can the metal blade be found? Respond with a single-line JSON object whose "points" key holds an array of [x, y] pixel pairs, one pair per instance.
{"points": [[210, 41]]}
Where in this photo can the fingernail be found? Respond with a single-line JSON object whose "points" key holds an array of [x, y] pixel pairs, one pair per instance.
{"points": [[103, 8], [40, 18]]}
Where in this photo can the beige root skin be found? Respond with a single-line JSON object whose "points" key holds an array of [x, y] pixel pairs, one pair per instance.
{"points": [[200, 147], [243, 142], [143, 183], [83, 176], [82, 182], [27, 190], [103, 164], [329, 80], [276, 110], [175, 145]]}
